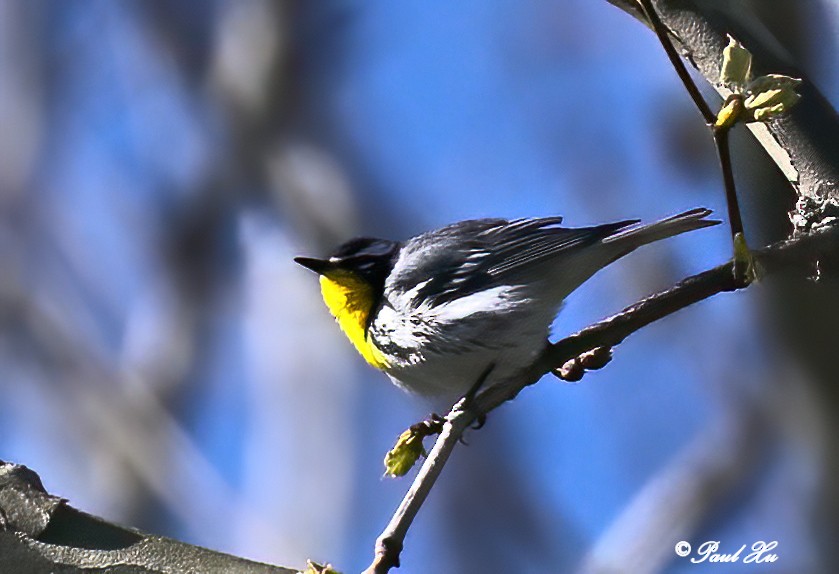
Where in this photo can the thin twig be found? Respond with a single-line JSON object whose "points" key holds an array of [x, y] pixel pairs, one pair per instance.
{"points": [[609, 332], [720, 134], [664, 37], [389, 543], [734, 219]]}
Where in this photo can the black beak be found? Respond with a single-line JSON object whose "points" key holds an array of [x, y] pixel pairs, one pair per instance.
{"points": [[316, 265]]}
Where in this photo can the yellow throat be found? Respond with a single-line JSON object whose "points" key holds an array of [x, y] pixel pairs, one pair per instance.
{"points": [[350, 300]]}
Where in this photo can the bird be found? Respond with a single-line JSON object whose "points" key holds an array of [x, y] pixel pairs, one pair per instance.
{"points": [[475, 298]]}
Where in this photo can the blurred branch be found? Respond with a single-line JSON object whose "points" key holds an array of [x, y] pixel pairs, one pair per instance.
{"points": [[802, 254], [40, 534], [124, 415], [693, 489], [676, 500]]}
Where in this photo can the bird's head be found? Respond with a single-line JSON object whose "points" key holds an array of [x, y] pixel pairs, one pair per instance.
{"points": [[364, 259], [352, 282]]}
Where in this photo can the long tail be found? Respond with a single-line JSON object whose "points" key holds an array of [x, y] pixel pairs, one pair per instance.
{"points": [[634, 236]]}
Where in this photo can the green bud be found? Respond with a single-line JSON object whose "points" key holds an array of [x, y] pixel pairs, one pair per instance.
{"points": [[771, 82], [771, 95], [745, 267], [731, 111], [405, 453], [736, 68]]}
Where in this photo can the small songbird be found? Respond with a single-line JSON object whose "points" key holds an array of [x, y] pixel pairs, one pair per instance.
{"points": [[474, 297]]}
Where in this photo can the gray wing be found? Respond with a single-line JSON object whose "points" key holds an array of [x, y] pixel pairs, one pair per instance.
{"points": [[471, 256]]}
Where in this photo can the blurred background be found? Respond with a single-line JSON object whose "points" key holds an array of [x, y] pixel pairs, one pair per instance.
{"points": [[164, 364]]}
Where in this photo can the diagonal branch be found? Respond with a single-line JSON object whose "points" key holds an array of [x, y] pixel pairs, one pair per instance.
{"points": [[40, 532], [800, 255]]}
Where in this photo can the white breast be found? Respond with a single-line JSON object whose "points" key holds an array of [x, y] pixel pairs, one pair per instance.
{"points": [[442, 350]]}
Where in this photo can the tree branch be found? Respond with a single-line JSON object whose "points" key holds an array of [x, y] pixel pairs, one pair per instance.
{"points": [[389, 544], [804, 143], [40, 534], [801, 254], [724, 153]]}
